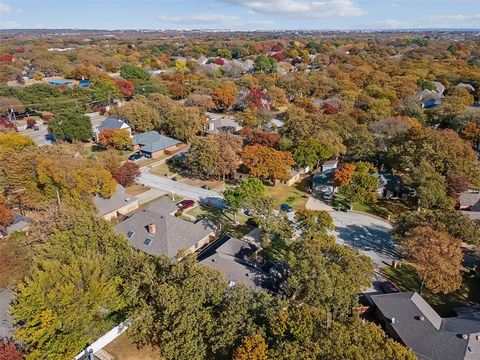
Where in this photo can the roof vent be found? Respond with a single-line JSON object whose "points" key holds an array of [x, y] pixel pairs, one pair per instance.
{"points": [[477, 337], [213, 260], [464, 336], [127, 199], [421, 318], [394, 321], [470, 349]]}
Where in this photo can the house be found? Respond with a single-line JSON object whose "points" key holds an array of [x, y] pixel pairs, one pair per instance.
{"points": [[110, 123], [119, 203], [295, 176], [389, 186], [409, 319], [153, 145], [323, 181], [236, 260], [222, 123], [20, 224], [157, 231], [470, 204], [329, 165]]}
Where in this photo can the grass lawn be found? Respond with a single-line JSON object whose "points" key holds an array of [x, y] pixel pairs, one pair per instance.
{"points": [[295, 196], [136, 189], [406, 278], [162, 170], [340, 202], [122, 348]]}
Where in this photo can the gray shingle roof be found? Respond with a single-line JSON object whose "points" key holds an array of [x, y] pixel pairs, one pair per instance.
{"points": [[322, 179], [172, 234], [434, 337], [118, 200], [152, 141], [231, 258], [111, 123]]}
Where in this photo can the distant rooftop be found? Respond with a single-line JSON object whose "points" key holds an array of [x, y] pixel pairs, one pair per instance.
{"points": [[116, 201]]}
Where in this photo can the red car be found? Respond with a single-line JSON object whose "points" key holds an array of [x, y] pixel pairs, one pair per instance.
{"points": [[388, 287], [185, 204]]}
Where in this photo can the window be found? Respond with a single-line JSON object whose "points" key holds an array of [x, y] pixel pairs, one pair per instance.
{"points": [[148, 241], [130, 234]]}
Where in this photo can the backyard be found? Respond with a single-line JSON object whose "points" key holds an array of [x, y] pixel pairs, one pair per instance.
{"points": [[406, 279]]}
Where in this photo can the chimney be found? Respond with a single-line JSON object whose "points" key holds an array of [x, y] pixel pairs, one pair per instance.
{"points": [[152, 228]]}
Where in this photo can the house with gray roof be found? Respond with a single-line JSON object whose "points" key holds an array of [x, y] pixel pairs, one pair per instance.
{"points": [[120, 203], [409, 319], [157, 231], [153, 145], [470, 204], [110, 123], [235, 259], [222, 123], [20, 223]]}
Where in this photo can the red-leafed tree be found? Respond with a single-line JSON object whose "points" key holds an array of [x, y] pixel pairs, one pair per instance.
{"points": [[6, 215], [126, 88], [330, 108], [31, 122], [9, 351], [257, 99], [6, 58], [219, 61], [126, 174], [279, 56], [19, 50], [260, 137]]}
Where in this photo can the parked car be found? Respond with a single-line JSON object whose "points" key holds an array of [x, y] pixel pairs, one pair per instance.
{"points": [[388, 287], [285, 207], [135, 157], [247, 212], [185, 204]]}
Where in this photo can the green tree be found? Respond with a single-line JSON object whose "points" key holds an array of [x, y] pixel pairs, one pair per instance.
{"points": [[313, 223], [71, 126], [363, 186], [134, 73], [72, 295], [311, 152], [327, 276], [264, 64], [244, 195], [139, 115], [174, 301]]}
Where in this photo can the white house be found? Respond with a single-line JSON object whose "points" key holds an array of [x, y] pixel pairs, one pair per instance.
{"points": [[111, 123]]}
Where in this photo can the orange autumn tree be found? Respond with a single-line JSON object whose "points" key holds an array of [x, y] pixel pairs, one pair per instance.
{"points": [[437, 257], [472, 132], [344, 175], [252, 348], [224, 97], [267, 163]]}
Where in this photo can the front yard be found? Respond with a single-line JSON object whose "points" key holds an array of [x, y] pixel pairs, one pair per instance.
{"points": [[296, 195], [406, 279]]}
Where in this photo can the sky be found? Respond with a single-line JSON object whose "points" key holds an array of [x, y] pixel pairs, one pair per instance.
{"points": [[240, 14]]}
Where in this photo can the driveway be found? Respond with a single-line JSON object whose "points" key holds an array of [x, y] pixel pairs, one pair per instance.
{"points": [[368, 234], [6, 325], [170, 186]]}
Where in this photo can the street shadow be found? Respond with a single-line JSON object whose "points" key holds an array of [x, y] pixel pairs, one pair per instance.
{"points": [[374, 238]]}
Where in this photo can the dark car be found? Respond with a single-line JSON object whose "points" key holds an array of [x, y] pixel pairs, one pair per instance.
{"points": [[185, 204], [285, 207], [388, 287], [135, 156]]}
